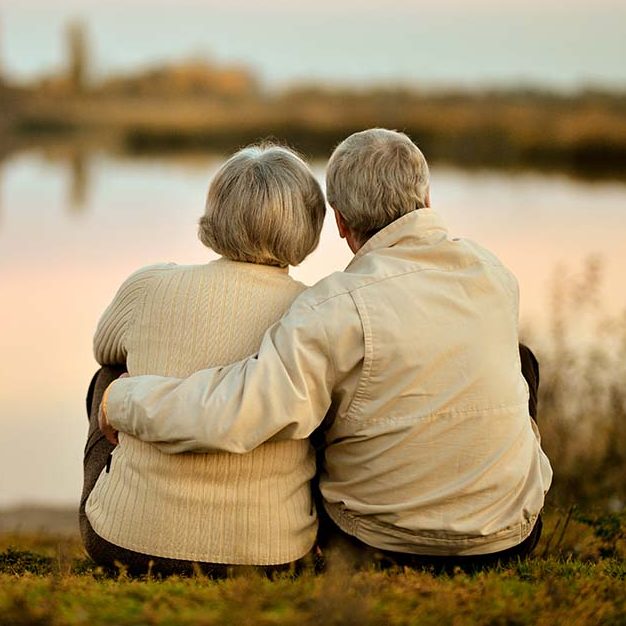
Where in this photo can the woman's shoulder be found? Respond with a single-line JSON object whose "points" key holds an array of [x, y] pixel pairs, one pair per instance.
{"points": [[141, 277], [152, 270], [249, 277], [296, 286]]}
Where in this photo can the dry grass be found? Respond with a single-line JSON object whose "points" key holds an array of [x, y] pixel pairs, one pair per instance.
{"points": [[48, 581]]}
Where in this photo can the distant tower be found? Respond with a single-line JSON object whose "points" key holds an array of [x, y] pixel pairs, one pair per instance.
{"points": [[78, 57], [2, 81]]}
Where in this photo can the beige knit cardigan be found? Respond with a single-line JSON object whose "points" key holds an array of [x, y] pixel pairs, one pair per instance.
{"points": [[253, 508]]}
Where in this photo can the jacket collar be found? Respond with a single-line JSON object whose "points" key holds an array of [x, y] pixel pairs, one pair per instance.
{"points": [[414, 225]]}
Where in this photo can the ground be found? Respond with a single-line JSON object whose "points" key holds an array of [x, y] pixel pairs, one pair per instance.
{"points": [[576, 577]]}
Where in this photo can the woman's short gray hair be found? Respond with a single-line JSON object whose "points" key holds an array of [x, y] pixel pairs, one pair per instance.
{"points": [[263, 206], [374, 177]]}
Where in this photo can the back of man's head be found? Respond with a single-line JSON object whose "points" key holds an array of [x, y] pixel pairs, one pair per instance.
{"points": [[374, 177]]}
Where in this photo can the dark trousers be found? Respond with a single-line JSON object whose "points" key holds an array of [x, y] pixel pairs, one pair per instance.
{"points": [[332, 539], [113, 557]]}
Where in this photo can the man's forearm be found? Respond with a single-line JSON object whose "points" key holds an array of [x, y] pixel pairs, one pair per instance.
{"points": [[283, 393], [194, 414]]}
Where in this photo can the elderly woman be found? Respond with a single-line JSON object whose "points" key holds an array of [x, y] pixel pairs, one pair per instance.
{"points": [[150, 510]]}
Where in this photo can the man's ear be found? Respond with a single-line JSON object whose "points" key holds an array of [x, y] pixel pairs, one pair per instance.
{"points": [[341, 224]]}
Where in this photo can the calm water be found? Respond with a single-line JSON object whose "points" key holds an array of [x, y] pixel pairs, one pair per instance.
{"points": [[72, 229]]}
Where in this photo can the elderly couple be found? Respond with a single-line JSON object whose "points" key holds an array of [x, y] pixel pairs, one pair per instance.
{"points": [[405, 368]]}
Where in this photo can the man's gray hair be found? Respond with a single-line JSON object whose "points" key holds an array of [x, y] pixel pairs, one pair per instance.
{"points": [[374, 177], [263, 206]]}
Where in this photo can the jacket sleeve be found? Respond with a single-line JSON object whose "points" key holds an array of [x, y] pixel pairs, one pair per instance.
{"points": [[283, 392], [109, 342]]}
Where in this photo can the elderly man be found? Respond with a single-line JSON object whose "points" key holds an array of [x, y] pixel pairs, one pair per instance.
{"points": [[409, 362]]}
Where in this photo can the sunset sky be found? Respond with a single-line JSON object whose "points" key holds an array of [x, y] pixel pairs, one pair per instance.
{"points": [[563, 45]]}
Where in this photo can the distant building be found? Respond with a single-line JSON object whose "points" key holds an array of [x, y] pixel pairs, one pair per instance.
{"points": [[192, 78], [74, 79]]}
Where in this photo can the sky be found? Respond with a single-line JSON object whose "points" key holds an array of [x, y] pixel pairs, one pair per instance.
{"points": [[562, 45], [324, 5]]}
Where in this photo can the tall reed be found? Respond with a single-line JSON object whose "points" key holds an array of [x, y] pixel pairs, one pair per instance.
{"points": [[582, 396]]}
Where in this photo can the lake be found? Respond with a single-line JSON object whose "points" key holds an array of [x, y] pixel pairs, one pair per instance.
{"points": [[73, 227]]}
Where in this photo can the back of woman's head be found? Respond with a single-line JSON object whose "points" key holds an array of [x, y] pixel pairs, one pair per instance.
{"points": [[263, 206]]}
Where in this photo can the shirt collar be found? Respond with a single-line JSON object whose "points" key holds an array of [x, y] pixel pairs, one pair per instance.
{"points": [[414, 225]]}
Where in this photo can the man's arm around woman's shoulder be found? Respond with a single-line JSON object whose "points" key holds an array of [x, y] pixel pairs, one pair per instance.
{"points": [[283, 392]]}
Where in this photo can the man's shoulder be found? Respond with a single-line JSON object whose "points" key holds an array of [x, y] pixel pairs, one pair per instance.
{"points": [[480, 252], [488, 258]]}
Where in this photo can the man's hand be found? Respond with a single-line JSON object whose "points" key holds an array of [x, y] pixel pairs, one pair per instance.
{"points": [[107, 430]]}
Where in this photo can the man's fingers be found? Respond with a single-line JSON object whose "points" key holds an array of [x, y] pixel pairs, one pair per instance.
{"points": [[111, 435], [107, 430]]}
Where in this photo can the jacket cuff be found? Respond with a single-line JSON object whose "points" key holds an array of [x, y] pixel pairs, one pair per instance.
{"points": [[114, 404]]}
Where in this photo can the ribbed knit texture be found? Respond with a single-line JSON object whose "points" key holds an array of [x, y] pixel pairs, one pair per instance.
{"points": [[254, 508]]}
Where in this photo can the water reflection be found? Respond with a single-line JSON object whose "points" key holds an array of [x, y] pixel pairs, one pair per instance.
{"points": [[79, 172], [58, 273]]}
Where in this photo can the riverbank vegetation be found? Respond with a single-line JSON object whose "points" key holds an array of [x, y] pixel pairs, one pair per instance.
{"points": [[582, 134], [198, 105]]}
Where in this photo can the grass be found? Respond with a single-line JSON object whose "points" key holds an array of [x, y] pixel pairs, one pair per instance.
{"points": [[577, 577]]}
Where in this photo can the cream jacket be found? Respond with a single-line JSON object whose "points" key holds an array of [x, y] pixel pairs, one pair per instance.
{"points": [[411, 353]]}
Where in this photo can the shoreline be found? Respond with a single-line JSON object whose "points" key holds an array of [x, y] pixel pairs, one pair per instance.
{"points": [[583, 135], [22, 519]]}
